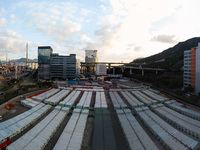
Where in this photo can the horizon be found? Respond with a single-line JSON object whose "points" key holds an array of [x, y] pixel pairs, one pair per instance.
{"points": [[119, 30]]}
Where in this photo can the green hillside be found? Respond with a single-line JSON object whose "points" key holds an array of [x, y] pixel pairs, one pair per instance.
{"points": [[173, 57]]}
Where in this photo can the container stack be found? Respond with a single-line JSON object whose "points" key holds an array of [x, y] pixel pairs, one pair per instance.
{"points": [[72, 135], [117, 101], [29, 103], [132, 100], [38, 137], [16, 125], [186, 124], [54, 100], [155, 96], [167, 140], [85, 101], [45, 95], [135, 135], [182, 138], [145, 99], [185, 111], [70, 100], [100, 101]]}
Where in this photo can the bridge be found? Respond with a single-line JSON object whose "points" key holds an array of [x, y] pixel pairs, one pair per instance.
{"points": [[123, 66]]}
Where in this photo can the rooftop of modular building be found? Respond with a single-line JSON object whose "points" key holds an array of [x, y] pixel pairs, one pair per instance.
{"points": [[100, 118]]}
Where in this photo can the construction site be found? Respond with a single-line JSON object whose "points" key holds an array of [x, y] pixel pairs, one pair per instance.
{"points": [[127, 116]]}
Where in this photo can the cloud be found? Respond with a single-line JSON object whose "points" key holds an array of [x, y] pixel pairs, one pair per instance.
{"points": [[2, 11], [2, 22], [165, 39], [10, 34], [15, 45]]}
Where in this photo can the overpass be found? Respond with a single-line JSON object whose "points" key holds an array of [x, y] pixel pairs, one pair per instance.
{"points": [[123, 66], [85, 65]]}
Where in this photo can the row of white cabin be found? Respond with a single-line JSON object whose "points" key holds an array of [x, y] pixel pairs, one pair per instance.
{"points": [[17, 124], [165, 133], [39, 136], [100, 101], [55, 99], [45, 95], [73, 133], [70, 100], [189, 125], [179, 108], [30, 103], [85, 100], [135, 135], [118, 103]]}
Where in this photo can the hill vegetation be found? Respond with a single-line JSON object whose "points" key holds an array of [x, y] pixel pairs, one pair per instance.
{"points": [[171, 58]]}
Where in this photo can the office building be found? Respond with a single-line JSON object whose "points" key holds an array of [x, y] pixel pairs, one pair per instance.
{"points": [[44, 55], [192, 68], [54, 66], [63, 67]]}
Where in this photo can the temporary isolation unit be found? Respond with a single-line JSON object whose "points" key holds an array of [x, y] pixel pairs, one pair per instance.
{"points": [[192, 68]]}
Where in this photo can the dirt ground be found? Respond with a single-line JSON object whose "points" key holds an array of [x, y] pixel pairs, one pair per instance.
{"points": [[14, 111]]}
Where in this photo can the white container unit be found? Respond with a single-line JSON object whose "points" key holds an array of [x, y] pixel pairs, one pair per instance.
{"points": [[147, 98], [88, 100], [45, 95], [114, 101], [72, 135], [120, 101], [186, 124], [82, 100], [133, 131], [185, 111], [15, 119], [155, 96], [167, 140], [14, 128], [97, 104], [39, 135], [182, 138], [100, 101], [72, 101], [141, 98], [133, 101], [57, 97]]}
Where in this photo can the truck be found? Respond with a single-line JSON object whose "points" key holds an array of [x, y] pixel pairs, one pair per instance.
{"points": [[5, 142]]}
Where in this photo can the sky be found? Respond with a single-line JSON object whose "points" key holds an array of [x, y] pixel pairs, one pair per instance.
{"points": [[121, 30]]}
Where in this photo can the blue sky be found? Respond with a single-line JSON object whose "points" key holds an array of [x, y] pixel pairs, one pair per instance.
{"points": [[121, 30]]}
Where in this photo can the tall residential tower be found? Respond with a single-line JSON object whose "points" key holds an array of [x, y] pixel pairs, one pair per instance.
{"points": [[192, 68]]}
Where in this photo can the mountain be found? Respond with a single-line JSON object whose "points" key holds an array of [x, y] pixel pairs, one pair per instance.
{"points": [[23, 60], [171, 58]]}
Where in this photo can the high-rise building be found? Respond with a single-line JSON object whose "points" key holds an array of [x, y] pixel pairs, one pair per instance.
{"points": [[63, 67], [90, 58], [44, 55], [192, 68], [54, 65]]}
